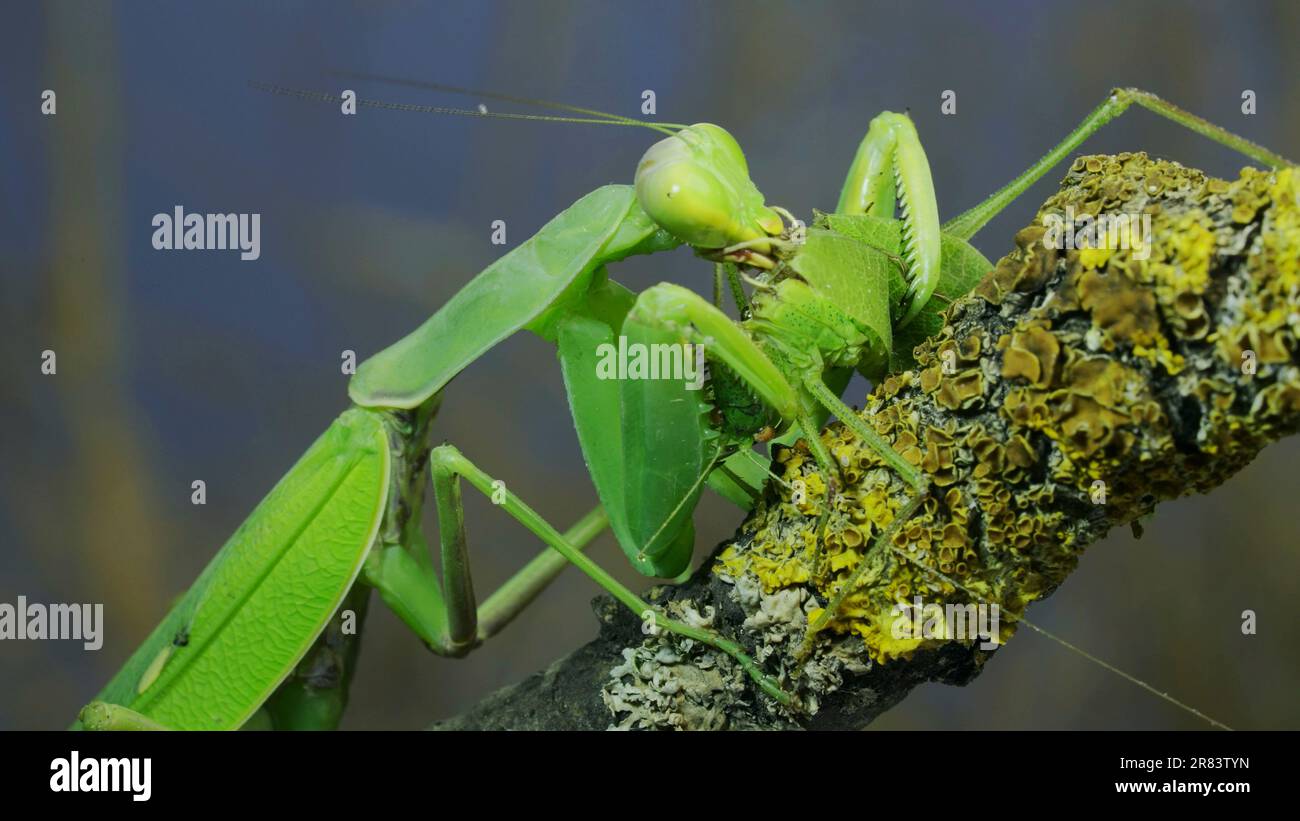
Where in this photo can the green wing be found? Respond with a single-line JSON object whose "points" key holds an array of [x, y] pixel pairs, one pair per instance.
{"points": [[260, 603], [531, 287]]}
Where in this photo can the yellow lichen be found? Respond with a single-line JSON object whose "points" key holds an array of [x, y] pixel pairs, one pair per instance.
{"points": [[1117, 368]]}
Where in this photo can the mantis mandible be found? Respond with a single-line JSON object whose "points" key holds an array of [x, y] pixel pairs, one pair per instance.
{"points": [[844, 295]]}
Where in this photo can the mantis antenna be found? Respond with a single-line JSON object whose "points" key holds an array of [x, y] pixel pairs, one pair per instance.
{"points": [[598, 118], [491, 95]]}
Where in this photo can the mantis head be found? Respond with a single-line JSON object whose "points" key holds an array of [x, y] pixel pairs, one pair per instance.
{"points": [[695, 184]]}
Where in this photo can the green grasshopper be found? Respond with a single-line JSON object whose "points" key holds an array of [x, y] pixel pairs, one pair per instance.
{"points": [[852, 293]]}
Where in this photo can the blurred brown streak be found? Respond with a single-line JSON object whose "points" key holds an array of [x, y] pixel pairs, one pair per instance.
{"points": [[113, 523]]}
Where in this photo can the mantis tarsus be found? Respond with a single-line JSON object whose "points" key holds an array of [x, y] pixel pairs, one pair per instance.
{"points": [[826, 301]]}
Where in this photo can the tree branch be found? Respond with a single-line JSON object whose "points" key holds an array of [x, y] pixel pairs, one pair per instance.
{"points": [[1070, 393]]}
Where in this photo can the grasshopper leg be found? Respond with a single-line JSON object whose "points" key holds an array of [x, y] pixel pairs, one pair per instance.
{"points": [[913, 477], [849, 418], [967, 224], [850, 586], [865, 432]]}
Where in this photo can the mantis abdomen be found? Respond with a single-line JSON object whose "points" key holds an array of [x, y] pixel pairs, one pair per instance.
{"points": [[263, 599]]}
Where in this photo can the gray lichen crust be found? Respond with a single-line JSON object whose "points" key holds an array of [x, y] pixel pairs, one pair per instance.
{"points": [[669, 682]]}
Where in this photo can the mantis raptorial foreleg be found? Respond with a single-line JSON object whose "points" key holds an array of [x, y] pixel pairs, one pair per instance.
{"points": [[737, 289], [890, 167], [668, 303], [723, 339], [726, 341], [448, 466], [967, 224]]}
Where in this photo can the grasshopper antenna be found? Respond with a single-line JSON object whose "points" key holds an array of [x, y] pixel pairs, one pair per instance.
{"points": [[602, 118]]}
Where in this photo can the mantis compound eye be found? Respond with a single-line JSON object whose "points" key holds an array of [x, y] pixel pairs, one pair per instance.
{"points": [[696, 185]]}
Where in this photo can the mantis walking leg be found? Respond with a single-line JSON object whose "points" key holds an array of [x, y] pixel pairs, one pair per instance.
{"points": [[448, 466], [920, 485], [500, 608], [966, 225], [443, 612]]}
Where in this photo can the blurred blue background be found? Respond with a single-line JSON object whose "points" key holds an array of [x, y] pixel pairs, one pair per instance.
{"points": [[181, 366]]}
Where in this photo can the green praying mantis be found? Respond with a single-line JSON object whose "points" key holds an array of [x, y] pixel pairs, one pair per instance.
{"points": [[853, 292]]}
